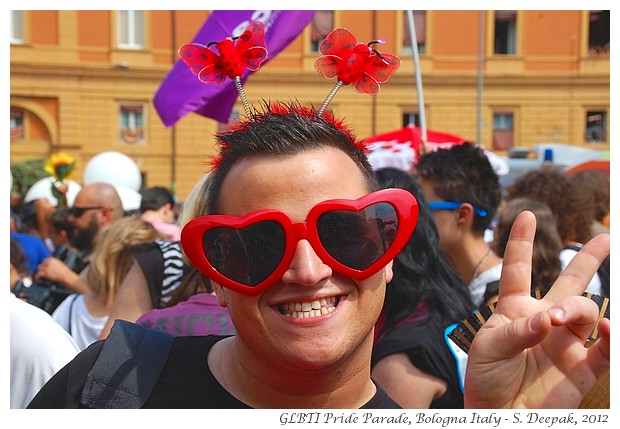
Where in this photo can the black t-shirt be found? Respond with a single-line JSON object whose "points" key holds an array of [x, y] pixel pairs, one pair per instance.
{"points": [[425, 345], [185, 381]]}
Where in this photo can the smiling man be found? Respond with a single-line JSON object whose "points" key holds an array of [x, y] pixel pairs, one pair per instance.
{"points": [[298, 244]]}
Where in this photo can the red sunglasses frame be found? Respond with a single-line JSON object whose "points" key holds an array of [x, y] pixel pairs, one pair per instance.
{"points": [[404, 203]]}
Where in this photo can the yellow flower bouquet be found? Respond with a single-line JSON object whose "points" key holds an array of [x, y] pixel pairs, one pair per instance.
{"points": [[60, 166]]}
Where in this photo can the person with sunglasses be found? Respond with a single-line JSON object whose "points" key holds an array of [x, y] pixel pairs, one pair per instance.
{"points": [[298, 244], [94, 209], [463, 193]]}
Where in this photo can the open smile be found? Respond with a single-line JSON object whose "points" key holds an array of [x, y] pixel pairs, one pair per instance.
{"points": [[307, 309]]}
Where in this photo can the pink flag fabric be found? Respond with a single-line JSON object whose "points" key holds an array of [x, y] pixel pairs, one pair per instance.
{"points": [[182, 93]]}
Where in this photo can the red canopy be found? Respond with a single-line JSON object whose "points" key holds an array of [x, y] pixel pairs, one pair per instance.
{"points": [[401, 148]]}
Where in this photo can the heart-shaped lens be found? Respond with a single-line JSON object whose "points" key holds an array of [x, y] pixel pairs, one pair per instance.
{"points": [[357, 239], [246, 255]]}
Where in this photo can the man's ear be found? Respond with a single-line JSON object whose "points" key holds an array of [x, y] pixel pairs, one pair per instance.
{"points": [[220, 294], [108, 216], [164, 209], [465, 214], [389, 273]]}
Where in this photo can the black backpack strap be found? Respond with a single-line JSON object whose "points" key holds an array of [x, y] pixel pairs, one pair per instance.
{"points": [[127, 368]]}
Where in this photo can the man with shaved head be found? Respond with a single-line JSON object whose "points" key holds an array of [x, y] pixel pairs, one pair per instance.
{"points": [[95, 208]]}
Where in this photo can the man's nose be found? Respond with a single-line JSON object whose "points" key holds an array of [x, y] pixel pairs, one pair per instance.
{"points": [[306, 268]]}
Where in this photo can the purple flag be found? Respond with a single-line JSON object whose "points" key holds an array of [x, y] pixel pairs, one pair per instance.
{"points": [[182, 93]]}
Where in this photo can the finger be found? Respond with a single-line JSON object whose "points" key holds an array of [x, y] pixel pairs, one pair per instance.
{"points": [[599, 353], [40, 271], [577, 313], [510, 339], [517, 263], [574, 279]]}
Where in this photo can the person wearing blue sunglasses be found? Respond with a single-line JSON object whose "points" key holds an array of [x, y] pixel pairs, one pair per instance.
{"points": [[463, 193]]}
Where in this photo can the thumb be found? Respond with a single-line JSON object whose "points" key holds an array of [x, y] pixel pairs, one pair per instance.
{"points": [[510, 339]]}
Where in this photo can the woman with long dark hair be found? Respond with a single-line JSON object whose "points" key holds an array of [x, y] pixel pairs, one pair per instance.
{"points": [[412, 359]]}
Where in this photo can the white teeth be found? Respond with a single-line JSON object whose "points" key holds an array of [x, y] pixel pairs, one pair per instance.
{"points": [[314, 308]]}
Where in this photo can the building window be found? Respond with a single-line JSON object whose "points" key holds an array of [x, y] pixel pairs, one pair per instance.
{"points": [[419, 22], [322, 24], [132, 122], [505, 32], [411, 118], [503, 131], [17, 26], [598, 33], [596, 126], [130, 29], [17, 124]]}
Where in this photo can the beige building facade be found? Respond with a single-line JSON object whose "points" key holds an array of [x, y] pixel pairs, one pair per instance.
{"points": [[82, 82]]}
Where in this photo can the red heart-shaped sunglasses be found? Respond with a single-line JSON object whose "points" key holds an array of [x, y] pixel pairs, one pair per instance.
{"points": [[249, 254]]}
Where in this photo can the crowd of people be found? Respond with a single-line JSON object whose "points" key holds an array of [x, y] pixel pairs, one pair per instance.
{"points": [[304, 278]]}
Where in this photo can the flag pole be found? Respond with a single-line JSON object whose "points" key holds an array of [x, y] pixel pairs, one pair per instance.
{"points": [[418, 79], [480, 78]]}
